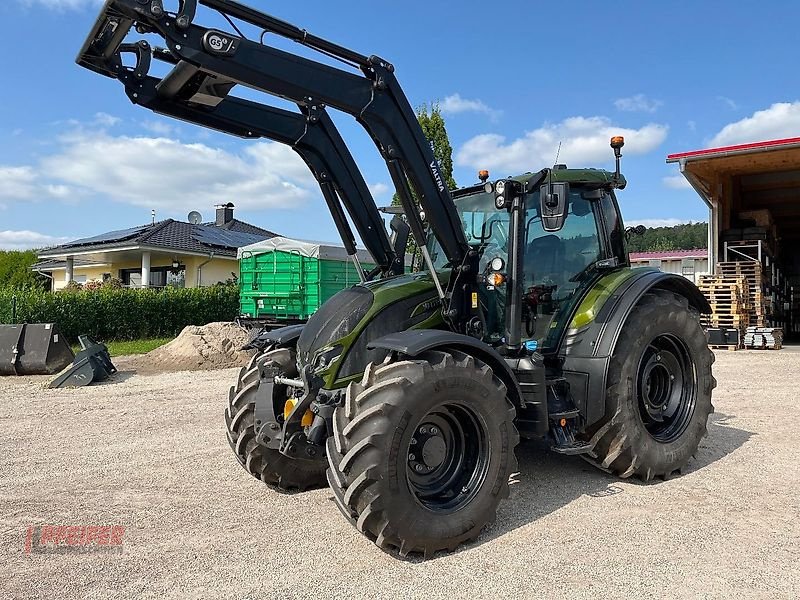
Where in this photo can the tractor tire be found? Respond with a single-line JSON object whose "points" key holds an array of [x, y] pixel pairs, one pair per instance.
{"points": [[422, 451], [266, 464], [658, 394]]}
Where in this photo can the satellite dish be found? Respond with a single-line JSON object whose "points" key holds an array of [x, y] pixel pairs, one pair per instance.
{"points": [[195, 218]]}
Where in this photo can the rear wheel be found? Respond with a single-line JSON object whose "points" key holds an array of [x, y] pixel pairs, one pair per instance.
{"points": [[422, 452], [266, 464], [658, 395]]}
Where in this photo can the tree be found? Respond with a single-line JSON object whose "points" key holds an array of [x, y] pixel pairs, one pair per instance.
{"points": [[15, 270], [433, 126], [690, 236]]}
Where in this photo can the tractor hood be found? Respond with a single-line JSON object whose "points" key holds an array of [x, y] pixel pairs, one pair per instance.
{"points": [[335, 338]]}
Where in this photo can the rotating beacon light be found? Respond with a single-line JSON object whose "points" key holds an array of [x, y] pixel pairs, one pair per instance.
{"points": [[617, 142]]}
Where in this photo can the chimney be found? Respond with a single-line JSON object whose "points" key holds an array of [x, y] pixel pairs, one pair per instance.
{"points": [[224, 214]]}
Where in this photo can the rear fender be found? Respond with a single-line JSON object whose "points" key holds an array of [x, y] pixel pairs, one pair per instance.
{"points": [[587, 348], [412, 343]]}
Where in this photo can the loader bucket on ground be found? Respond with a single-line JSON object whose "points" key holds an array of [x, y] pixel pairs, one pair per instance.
{"points": [[92, 364], [33, 349]]}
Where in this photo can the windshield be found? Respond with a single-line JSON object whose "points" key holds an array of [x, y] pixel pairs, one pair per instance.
{"points": [[485, 228], [557, 265]]}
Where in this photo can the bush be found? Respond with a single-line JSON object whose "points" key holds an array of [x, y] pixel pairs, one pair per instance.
{"points": [[122, 314]]}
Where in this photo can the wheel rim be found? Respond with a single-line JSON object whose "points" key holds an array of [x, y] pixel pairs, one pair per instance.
{"points": [[666, 388], [448, 458]]}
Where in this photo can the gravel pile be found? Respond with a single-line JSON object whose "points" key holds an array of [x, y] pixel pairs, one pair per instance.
{"points": [[197, 348]]}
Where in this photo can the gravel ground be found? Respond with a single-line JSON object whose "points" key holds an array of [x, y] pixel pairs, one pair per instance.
{"points": [[149, 453]]}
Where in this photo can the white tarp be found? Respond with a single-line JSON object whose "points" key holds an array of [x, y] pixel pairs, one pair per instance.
{"points": [[320, 250]]}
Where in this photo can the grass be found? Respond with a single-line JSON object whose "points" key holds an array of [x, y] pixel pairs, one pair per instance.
{"points": [[126, 348]]}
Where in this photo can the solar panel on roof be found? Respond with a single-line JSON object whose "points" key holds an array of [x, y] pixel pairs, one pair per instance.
{"points": [[214, 236], [110, 237]]}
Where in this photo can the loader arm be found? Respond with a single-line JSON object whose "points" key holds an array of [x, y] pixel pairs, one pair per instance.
{"points": [[374, 97], [313, 135]]}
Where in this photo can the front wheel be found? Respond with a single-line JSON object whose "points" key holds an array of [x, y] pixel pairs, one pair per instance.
{"points": [[266, 464], [658, 395], [422, 452]]}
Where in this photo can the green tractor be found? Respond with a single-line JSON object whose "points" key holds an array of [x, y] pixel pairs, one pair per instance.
{"points": [[408, 393]]}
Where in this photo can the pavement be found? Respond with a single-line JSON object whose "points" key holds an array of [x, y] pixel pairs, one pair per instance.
{"points": [[146, 457]]}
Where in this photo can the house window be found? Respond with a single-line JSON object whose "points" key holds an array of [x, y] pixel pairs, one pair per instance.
{"points": [[177, 279], [160, 277], [687, 267]]}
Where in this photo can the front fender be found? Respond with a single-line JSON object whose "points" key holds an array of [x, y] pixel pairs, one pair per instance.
{"points": [[414, 342], [281, 337], [587, 346]]}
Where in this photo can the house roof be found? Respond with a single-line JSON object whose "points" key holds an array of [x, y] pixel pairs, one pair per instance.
{"points": [[171, 235], [724, 151], [54, 264], [670, 254]]}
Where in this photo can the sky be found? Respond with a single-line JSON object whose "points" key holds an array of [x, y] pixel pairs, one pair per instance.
{"points": [[513, 78]]}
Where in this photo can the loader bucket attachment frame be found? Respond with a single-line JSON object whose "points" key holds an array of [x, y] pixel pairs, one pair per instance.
{"points": [[374, 97], [92, 364], [33, 349]]}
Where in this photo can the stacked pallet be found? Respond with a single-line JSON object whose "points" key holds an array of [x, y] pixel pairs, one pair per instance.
{"points": [[763, 338], [759, 301], [729, 298]]}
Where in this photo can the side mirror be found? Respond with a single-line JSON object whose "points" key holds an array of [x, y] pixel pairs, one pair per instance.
{"points": [[553, 200]]}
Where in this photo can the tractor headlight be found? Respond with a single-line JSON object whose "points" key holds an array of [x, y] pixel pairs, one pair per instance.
{"points": [[499, 202], [326, 357], [500, 187]]}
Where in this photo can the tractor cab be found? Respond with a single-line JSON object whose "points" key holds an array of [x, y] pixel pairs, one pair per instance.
{"points": [[560, 261]]}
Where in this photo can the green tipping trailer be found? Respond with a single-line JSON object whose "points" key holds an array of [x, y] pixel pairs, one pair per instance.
{"points": [[285, 281]]}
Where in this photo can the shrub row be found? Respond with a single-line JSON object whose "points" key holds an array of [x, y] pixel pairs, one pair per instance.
{"points": [[122, 314]]}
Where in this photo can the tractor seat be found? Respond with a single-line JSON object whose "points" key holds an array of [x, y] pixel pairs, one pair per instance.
{"points": [[544, 257]]}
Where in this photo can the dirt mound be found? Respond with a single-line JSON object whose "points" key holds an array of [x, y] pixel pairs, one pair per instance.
{"points": [[197, 348]]}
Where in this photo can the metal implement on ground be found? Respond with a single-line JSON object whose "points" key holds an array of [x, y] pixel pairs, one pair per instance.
{"points": [[407, 394], [91, 365], [33, 349]]}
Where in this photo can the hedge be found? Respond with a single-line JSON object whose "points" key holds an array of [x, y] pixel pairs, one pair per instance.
{"points": [[123, 314]]}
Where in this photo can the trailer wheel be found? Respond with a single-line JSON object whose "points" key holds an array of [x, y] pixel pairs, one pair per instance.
{"points": [[422, 452], [266, 464], [658, 396]]}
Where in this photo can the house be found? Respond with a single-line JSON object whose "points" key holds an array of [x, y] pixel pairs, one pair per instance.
{"points": [[689, 263], [164, 253]]}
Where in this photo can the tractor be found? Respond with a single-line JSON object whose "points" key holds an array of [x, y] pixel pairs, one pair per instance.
{"points": [[408, 393]]}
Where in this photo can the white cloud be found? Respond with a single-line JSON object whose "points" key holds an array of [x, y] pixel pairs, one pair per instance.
{"points": [[167, 174], [584, 142], [24, 183], [63, 4], [455, 104], [106, 120], [25, 240], [159, 128], [656, 222], [729, 102], [676, 182], [638, 103], [19, 183], [379, 189], [781, 120]]}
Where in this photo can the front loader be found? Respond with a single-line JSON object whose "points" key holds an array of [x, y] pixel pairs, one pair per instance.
{"points": [[408, 393]]}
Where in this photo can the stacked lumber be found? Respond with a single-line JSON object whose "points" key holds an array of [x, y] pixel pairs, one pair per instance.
{"points": [[759, 301], [729, 298], [763, 338]]}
